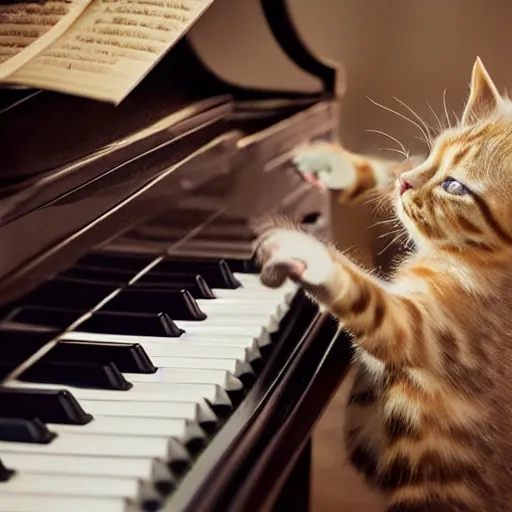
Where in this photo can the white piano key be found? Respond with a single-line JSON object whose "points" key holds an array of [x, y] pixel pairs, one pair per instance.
{"points": [[198, 411], [131, 489], [253, 295], [226, 336], [231, 365], [149, 470], [237, 348], [238, 303], [143, 391], [192, 328], [189, 376], [239, 318], [92, 445], [183, 430], [45, 503], [197, 349]]}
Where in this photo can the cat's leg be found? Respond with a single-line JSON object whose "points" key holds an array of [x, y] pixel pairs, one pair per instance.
{"points": [[350, 175], [387, 323]]}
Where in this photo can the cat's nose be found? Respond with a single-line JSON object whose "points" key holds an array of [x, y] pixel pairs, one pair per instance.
{"points": [[404, 186]]}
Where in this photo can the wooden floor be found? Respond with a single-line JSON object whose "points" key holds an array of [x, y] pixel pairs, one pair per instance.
{"points": [[335, 485]]}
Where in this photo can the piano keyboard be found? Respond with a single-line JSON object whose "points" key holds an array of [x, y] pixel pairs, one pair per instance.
{"points": [[115, 414]]}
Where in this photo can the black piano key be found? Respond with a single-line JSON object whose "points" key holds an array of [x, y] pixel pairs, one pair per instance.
{"points": [[105, 275], [115, 261], [70, 293], [128, 357], [53, 318], [20, 430], [79, 374], [137, 324], [193, 283], [178, 305], [215, 272], [19, 345], [5, 473], [50, 406], [248, 266]]}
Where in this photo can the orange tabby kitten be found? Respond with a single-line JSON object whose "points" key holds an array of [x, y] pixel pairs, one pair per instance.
{"points": [[430, 414]]}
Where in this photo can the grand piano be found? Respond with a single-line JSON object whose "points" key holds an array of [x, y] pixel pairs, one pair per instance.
{"points": [[144, 366]]}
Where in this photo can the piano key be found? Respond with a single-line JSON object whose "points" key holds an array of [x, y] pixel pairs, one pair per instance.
{"points": [[240, 349], [216, 397], [128, 357], [47, 405], [215, 272], [198, 411], [169, 450], [187, 432], [45, 503], [177, 304], [214, 334], [191, 376], [217, 328], [205, 350], [148, 470], [242, 266], [53, 318], [193, 283], [70, 293], [28, 484], [105, 260], [5, 473], [25, 431], [91, 375], [237, 304], [19, 345], [150, 324], [109, 275]]}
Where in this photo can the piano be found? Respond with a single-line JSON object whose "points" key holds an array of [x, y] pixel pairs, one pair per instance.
{"points": [[144, 367]]}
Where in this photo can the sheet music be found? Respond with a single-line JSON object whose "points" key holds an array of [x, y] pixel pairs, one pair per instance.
{"points": [[99, 49], [26, 29]]}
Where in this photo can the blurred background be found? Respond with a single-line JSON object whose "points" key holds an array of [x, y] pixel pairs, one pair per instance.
{"points": [[409, 49]]}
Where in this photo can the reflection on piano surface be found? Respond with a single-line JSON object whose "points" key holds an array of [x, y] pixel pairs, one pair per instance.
{"points": [[144, 366]]}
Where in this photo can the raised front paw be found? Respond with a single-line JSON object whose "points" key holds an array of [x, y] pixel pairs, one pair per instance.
{"points": [[326, 166], [290, 254]]}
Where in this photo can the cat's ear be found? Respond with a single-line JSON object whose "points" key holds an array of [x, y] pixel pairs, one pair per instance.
{"points": [[484, 98]]}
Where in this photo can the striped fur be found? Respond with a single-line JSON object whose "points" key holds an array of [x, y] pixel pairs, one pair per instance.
{"points": [[430, 413]]}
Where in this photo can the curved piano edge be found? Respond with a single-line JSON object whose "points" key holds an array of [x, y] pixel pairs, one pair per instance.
{"points": [[286, 34], [245, 462], [208, 77], [317, 372]]}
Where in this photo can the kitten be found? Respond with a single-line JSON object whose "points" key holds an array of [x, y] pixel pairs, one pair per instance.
{"points": [[430, 414]]}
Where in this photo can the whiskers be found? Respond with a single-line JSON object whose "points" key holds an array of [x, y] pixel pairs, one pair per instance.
{"points": [[399, 234], [428, 133], [402, 149], [425, 132]]}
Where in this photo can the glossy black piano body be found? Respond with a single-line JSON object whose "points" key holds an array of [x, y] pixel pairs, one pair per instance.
{"points": [[185, 175]]}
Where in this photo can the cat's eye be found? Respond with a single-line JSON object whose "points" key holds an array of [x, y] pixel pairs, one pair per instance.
{"points": [[454, 187]]}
